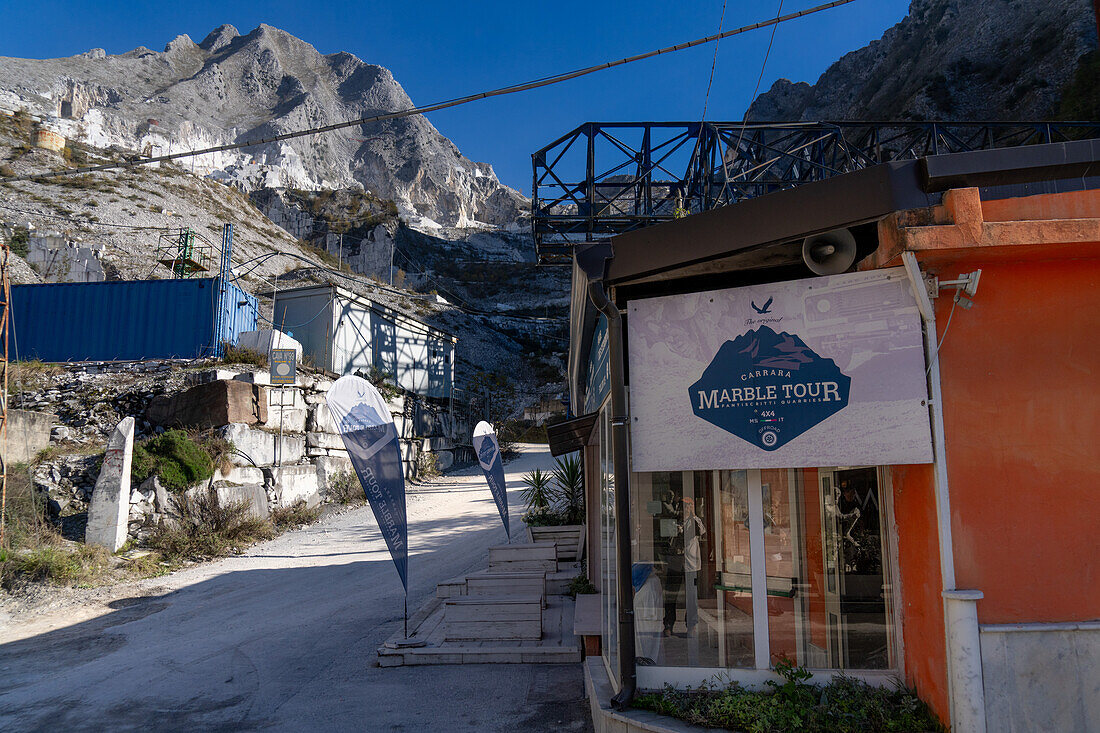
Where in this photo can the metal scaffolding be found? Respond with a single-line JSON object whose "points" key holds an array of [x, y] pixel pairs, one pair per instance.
{"points": [[185, 252], [603, 179]]}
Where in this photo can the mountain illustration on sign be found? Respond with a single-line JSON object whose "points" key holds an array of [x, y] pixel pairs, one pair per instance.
{"points": [[362, 417], [487, 453], [768, 388]]}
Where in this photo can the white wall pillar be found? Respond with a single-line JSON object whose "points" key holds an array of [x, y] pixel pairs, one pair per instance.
{"points": [[965, 661]]}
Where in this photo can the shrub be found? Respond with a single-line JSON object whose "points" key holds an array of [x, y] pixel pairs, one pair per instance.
{"points": [[537, 492], [78, 565], [236, 355], [175, 457], [570, 480], [581, 585], [201, 527], [297, 514], [344, 488], [844, 705], [427, 465], [545, 518]]}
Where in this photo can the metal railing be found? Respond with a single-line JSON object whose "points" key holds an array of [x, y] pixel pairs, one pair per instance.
{"points": [[605, 178]]}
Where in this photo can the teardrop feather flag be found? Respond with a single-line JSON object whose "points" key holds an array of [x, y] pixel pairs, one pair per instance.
{"points": [[370, 436], [488, 455]]}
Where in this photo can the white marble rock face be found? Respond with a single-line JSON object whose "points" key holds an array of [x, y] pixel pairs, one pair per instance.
{"points": [[110, 507]]}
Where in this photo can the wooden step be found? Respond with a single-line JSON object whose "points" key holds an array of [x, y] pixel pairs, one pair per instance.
{"points": [[507, 584], [492, 618], [532, 556], [569, 539], [451, 588]]}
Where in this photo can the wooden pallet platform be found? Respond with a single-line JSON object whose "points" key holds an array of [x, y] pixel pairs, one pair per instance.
{"points": [[558, 644]]}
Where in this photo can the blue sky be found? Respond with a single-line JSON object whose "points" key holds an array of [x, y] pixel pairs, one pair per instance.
{"points": [[439, 49]]}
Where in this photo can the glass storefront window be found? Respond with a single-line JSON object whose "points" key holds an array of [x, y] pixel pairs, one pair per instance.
{"points": [[822, 569]]}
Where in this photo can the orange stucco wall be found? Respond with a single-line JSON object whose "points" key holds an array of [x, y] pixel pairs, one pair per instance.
{"points": [[1020, 374], [922, 626]]}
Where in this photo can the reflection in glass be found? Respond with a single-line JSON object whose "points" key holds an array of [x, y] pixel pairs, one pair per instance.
{"points": [[827, 597], [827, 594]]}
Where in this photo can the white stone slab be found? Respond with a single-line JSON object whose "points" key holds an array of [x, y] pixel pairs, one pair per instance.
{"points": [[110, 506]]}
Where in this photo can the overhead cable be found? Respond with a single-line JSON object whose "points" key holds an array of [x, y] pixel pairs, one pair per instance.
{"points": [[512, 89]]}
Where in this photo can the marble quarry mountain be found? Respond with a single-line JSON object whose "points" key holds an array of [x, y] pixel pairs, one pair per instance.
{"points": [[951, 60], [231, 88]]}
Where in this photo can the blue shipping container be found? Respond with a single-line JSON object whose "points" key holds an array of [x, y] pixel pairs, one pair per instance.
{"points": [[127, 320]]}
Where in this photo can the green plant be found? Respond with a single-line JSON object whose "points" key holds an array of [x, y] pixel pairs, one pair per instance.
{"points": [[569, 477], [76, 565], [297, 514], [544, 517], [844, 705], [344, 488], [581, 585], [537, 493], [175, 457]]}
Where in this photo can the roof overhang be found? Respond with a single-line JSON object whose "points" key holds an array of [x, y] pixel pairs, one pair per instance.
{"points": [[571, 435]]}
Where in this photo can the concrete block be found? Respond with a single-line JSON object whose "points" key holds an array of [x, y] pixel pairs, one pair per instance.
{"points": [[444, 459], [257, 377], [292, 420], [240, 475], [260, 445], [320, 419], [328, 467], [286, 397], [253, 495], [110, 507], [211, 405], [28, 433], [325, 440], [294, 483], [209, 375]]}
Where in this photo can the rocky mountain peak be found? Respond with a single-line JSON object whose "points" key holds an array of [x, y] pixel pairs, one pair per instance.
{"points": [[231, 88], [219, 38], [949, 59]]}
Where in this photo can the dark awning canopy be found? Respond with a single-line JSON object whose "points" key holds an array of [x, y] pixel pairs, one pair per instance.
{"points": [[571, 435]]}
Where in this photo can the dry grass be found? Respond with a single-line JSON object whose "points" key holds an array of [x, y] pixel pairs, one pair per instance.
{"points": [[202, 528], [31, 374], [295, 515], [344, 488], [236, 355]]}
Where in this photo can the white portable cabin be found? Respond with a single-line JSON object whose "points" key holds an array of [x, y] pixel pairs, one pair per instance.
{"points": [[344, 333]]}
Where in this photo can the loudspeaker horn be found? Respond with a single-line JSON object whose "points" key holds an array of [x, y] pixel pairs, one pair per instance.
{"points": [[830, 253]]}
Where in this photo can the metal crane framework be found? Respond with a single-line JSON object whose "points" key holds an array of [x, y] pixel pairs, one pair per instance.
{"points": [[606, 178]]}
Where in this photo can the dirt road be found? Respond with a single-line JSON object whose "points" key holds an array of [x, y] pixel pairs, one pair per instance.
{"points": [[283, 637]]}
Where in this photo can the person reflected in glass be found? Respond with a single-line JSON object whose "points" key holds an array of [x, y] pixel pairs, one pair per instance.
{"points": [[648, 600]]}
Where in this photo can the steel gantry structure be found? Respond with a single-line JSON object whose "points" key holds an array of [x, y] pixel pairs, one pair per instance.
{"points": [[605, 178]]}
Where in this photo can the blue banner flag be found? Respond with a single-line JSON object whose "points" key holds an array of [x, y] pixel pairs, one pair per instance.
{"points": [[488, 455], [370, 436]]}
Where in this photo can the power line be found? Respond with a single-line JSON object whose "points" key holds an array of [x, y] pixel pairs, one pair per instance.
{"points": [[512, 89], [713, 63], [756, 89]]}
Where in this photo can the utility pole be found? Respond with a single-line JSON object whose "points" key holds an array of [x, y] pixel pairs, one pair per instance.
{"points": [[5, 314], [340, 259], [391, 242]]}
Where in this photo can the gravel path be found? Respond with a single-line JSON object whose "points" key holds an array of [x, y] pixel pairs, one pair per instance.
{"points": [[283, 637]]}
